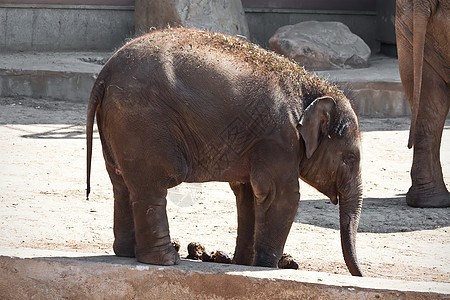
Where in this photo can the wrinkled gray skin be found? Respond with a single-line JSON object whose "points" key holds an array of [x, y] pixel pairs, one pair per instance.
{"points": [[423, 33], [180, 105]]}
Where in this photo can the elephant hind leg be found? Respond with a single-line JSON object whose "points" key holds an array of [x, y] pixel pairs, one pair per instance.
{"points": [[141, 227], [428, 188], [124, 240], [426, 199], [148, 185], [245, 201], [153, 244]]}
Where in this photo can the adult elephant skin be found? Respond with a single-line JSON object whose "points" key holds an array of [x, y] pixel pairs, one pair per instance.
{"points": [[181, 105], [422, 29]]}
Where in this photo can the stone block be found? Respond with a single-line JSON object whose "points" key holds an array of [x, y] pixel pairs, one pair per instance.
{"points": [[59, 28], [46, 30], [321, 45], [19, 28], [73, 29], [2, 30], [108, 31]]}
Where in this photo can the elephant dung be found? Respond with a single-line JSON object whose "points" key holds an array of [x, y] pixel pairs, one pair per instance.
{"points": [[176, 244], [287, 262], [207, 256], [222, 257], [217, 257], [195, 250]]}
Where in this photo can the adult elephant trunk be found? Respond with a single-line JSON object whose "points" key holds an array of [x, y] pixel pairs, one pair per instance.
{"points": [[422, 11], [349, 212]]}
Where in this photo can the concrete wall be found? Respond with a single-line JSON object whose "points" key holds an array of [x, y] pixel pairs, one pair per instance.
{"points": [[42, 27], [310, 4], [52, 27], [78, 2]]}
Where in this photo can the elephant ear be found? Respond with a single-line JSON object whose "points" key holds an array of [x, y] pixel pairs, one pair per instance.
{"points": [[315, 122]]}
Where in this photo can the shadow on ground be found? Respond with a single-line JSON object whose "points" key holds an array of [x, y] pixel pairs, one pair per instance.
{"points": [[379, 215], [61, 132]]}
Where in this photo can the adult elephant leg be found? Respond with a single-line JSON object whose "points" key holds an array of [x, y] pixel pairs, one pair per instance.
{"points": [[428, 188], [124, 240], [245, 201]]}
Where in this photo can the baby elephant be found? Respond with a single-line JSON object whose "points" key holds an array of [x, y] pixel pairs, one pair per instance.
{"points": [[183, 105]]}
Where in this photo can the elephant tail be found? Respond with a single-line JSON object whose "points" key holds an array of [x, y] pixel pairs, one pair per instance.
{"points": [[421, 14], [95, 99]]}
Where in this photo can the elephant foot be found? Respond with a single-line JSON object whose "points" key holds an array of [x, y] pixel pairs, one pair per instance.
{"points": [[165, 255], [246, 259], [266, 260], [426, 199], [124, 249]]}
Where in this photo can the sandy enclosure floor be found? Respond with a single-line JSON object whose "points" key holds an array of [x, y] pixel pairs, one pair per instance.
{"points": [[43, 205]]}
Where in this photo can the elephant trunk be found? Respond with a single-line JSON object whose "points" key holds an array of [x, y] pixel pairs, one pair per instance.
{"points": [[349, 212]]}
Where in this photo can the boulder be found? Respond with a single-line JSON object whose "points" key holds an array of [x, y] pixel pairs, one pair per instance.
{"points": [[321, 45], [226, 16]]}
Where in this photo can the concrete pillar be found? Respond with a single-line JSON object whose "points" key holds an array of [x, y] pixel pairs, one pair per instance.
{"points": [[226, 16]]}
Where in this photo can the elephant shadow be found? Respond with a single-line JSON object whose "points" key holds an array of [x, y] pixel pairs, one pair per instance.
{"points": [[57, 132], [378, 215]]}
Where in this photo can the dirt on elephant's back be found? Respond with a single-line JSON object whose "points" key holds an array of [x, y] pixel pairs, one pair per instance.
{"points": [[262, 63]]}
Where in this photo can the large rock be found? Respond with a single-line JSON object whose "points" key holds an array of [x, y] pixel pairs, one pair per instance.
{"points": [[321, 45], [226, 16]]}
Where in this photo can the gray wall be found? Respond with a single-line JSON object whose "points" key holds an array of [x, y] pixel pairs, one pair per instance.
{"points": [[64, 27], [51, 27]]}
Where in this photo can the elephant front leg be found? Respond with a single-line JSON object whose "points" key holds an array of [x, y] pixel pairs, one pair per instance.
{"points": [[276, 198], [124, 240], [275, 212], [244, 251]]}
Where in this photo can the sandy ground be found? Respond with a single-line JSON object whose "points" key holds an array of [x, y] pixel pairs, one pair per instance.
{"points": [[43, 204]]}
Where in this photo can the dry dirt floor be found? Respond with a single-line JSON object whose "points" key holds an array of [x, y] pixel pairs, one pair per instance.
{"points": [[43, 203]]}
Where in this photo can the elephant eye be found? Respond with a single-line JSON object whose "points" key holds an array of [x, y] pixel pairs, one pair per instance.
{"points": [[349, 158]]}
